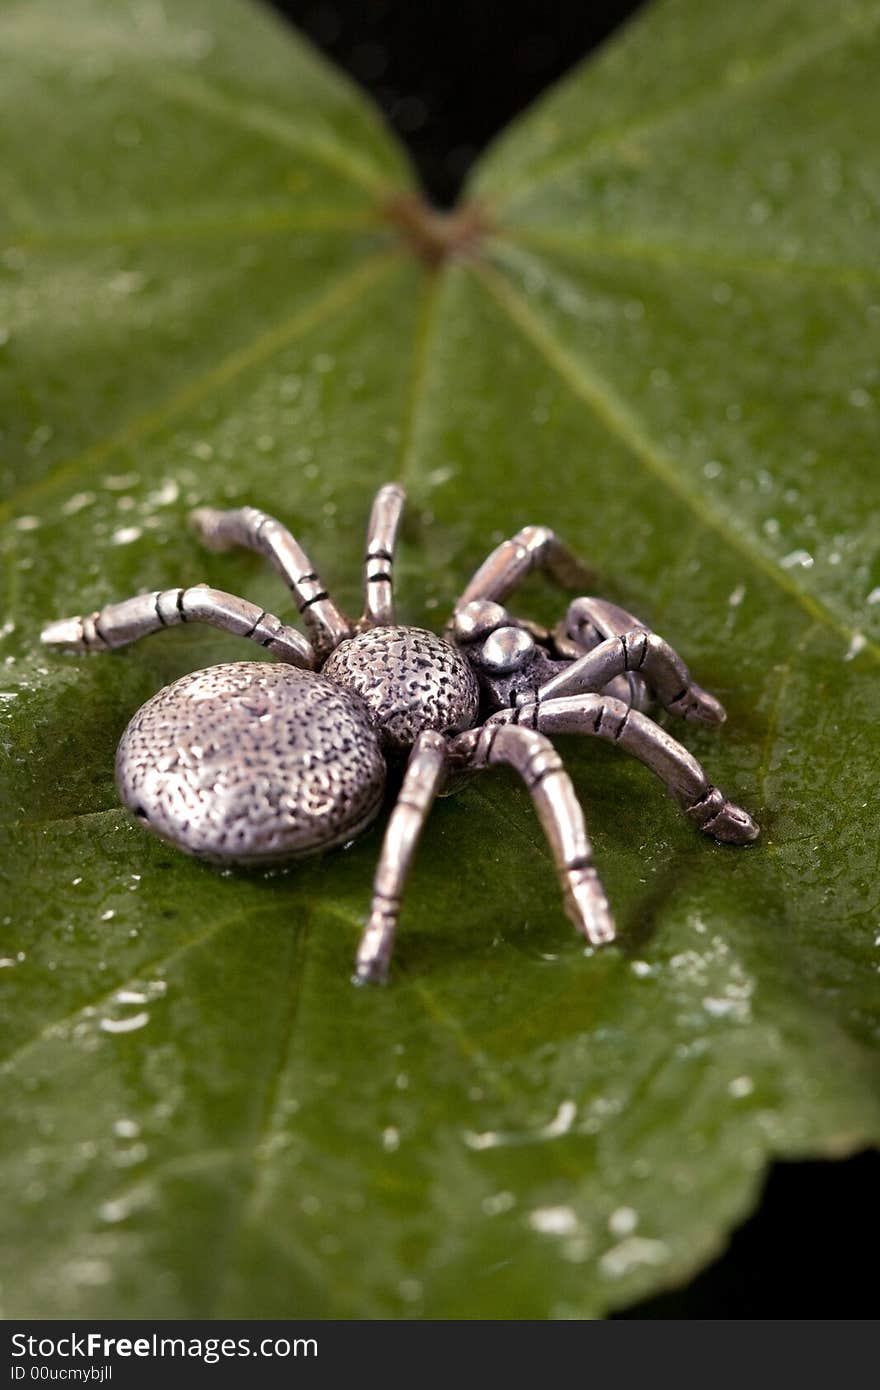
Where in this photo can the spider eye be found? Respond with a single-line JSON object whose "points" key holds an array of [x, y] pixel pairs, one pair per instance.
{"points": [[506, 649], [478, 618]]}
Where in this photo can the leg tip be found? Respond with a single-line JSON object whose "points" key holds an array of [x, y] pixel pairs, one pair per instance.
{"points": [[733, 826], [708, 710], [396, 490], [65, 633], [587, 907], [699, 707], [370, 972], [376, 945], [203, 521]]}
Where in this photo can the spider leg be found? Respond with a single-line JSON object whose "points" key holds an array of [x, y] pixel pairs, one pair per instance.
{"points": [[246, 526], [652, 667], [379, 559], [559, 811], [120, 623], [647, 654], [534, 547], [616, 722], [425, 772]]}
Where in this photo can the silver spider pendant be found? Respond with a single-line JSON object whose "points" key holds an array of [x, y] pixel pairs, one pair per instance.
{"points": [[254, 763]]}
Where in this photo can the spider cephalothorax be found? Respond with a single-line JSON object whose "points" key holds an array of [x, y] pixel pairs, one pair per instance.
{"points": [[258, 762]]}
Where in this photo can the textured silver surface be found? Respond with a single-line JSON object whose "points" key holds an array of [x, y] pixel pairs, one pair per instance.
{"points": [[251, 763], [412, 680]]}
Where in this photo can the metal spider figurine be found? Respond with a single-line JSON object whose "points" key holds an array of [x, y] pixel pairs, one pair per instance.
{"points": [[253, 762]]}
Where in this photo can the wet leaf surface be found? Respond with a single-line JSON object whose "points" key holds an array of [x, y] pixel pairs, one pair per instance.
{"points": [[667, 348]]}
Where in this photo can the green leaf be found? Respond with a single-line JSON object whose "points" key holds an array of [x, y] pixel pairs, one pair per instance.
{"points": [[657, 332]]}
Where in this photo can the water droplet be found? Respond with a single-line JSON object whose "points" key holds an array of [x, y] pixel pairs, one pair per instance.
{"points": [[499, 1202], [623, 1221], [797, 559], [489, 1139], [740, 1086], [438, 476], [390, 1139], [561, 1123], [113, 1211], [77, 502], [165, 495], [631, 1253], [125, 1025], [554, 1221], [726, 1008], [124, 535]]}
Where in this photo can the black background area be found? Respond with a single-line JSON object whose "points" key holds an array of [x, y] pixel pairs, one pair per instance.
{"points": [[450, 74]]}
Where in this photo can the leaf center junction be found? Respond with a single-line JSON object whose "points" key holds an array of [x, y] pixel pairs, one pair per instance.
{"points": [[433, 234]]}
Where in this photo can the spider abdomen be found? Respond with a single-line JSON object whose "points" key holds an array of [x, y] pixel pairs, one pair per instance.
{"points": [[251, 763], [411, 679]]}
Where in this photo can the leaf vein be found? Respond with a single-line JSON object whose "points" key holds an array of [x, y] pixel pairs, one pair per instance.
{"points": [[249, 1196], [621, 422], [271, 125], [345, 292], [258, 222], [781, 65], [683, 257], [158, 963]]}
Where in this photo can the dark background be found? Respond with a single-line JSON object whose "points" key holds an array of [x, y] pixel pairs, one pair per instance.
{"points": [[449, 74]]}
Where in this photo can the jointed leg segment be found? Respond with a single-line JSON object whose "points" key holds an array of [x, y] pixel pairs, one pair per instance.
{"points": [[255, 530], [379, 559], [643, 652], [549, 785], [534, 547], [559, 811], [424, 777], [612, 720], [118, 624]]}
